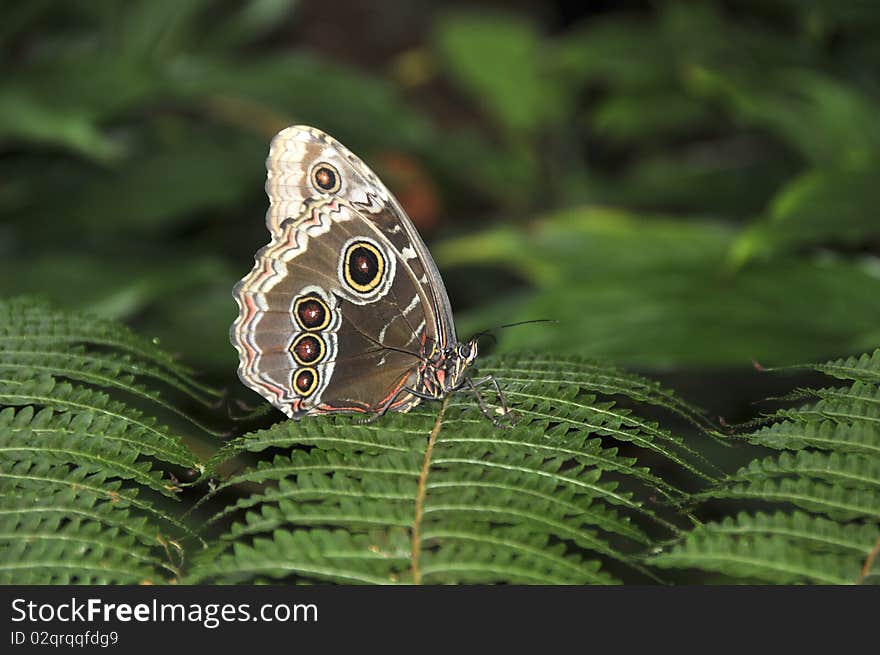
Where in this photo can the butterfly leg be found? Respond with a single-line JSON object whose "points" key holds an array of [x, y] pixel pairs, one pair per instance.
{"points": [[484, 407], [473, 385], [387, 405], [383, 409]]}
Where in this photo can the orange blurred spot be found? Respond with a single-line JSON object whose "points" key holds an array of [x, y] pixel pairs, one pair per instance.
{"points": [[412, 186]]}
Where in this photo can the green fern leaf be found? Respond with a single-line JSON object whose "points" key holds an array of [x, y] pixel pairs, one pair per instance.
{"points": [[820, 434], [29, 477], [443, 496], [597, 377], [79, 440], [861, 402], [805, 530], [865, 367], [83, 476], [757, 558], [829, 466], [836, 501], [74, 537], [123, 423], [850, 470], [31, 328], [108, 370]]}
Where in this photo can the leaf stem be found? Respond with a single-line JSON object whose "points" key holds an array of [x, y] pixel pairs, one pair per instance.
{"points": [[416, 548]]}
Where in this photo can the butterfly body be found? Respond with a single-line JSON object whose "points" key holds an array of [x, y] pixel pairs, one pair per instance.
{"points": [[344, 309]]}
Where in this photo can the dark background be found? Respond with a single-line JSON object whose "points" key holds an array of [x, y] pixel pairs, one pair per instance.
{"points": [[520, 617], [685, 187]]}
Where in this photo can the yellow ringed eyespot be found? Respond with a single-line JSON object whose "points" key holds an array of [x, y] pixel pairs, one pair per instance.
{"points": [[363, 266], [311, 312], [308, 349], [305, 381]]}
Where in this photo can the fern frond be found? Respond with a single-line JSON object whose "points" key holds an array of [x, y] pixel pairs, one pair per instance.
{"points": [[829, 466], [28, 477], [537, 400], [337, 555], [79, 440], [121, 422], [70, 499], [82, 474], [865, 367], [597, 377], [443, 496], [820, 434], [107, 370], [33, 328], [836, 501], [860, 402], [859, 392], [758, 558], [846, 469], [806, 530], [74, 537]]}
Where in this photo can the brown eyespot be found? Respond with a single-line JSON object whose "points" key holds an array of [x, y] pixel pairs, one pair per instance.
{"points": [[305, 381], [311, 312], [325, 178], [363, 266], [308, 349]]}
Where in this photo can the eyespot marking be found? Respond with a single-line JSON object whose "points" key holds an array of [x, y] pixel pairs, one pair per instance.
{"points": [[325, 178], [311, 312], [363, 266], [305, 381], [308, 349]]}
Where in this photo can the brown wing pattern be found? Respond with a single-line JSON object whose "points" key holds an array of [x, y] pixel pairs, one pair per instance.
{"points": [[345, 300], [293, 156]]}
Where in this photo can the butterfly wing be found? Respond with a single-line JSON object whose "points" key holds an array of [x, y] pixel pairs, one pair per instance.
{"points": [[340, 304], [296, 156]]}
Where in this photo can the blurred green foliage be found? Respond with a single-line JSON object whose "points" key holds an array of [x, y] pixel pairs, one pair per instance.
{"points": [[654, 291], [680, 184]]}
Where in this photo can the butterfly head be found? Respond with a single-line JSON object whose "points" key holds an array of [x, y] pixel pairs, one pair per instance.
{"points": [[467, 352], [446, 369]]}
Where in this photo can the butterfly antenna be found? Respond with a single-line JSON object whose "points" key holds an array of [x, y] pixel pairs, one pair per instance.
{"points": [[488, 331]]}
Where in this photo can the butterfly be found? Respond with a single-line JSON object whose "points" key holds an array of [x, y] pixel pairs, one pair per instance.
{"points": [[344, 310]]}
